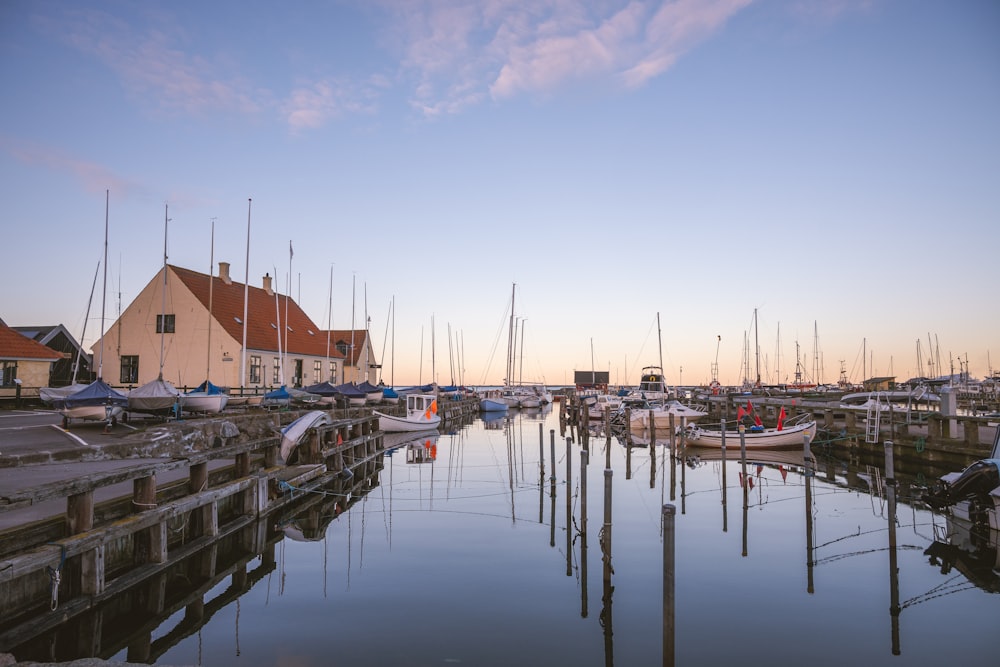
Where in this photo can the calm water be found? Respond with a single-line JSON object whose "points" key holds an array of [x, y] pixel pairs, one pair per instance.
{"points": [[465, 559]]}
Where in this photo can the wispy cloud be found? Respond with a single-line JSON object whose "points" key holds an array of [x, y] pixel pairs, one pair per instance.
{"points": [[466, 51], [152, 64], [313, 104], [93, 177]]}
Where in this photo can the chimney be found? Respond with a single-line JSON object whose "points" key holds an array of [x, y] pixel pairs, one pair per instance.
{"points": [[224, 273], [267, 284]]}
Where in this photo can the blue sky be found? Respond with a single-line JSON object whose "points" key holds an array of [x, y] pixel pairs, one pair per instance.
{"points": [[831, 164]]}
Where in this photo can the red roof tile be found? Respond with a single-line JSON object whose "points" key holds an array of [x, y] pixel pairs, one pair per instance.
{"points": [[15, 346], [304, 337]]}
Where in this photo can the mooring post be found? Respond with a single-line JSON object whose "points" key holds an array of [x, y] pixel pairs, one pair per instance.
{"points": [[606, 529], [584, 461], [552, 462], [569, 507], [669, 515], [150, 546], [725, 488], [890, 490], [652, 430], [745, 483], [807, 457]]}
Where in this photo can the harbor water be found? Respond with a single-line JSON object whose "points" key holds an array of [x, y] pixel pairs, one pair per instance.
{"points": [[501, 543]]}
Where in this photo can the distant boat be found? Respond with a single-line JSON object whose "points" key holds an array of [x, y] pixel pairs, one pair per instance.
{"points": [[790, 435], [157, 397], [351, 395], [277, 397], [421, 415], [206, 397], [326, 391], [295, 433], [662, 413], [372, 393], [390, 396], [492, 401], [95, 402]]}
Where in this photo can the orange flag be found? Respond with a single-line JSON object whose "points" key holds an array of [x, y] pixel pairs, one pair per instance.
{"points": [[434, 407], [781, 418]]}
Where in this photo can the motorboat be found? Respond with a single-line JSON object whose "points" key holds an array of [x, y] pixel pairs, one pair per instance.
{"points": [[973, 494], [421, 415]]}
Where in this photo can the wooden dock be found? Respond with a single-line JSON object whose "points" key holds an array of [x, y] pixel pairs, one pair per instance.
{"points": [[213, 512]]}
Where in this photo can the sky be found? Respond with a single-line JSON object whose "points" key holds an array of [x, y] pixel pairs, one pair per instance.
{"points": [[684, 183]]}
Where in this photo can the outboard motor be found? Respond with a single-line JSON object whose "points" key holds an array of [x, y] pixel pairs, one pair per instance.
{"points": [[975, 483]]}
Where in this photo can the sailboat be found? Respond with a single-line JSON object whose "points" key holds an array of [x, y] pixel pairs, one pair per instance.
{"points": [[158, 396], [207, 397], [97, 401]]}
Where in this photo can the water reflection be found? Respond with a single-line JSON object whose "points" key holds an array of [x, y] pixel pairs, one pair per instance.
{"points": [[486, 560]]}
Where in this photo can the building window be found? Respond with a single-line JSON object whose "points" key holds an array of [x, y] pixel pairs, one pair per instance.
{"points": [[164, 324], [130, 369], [297, 373], [333, 372], [9, 373], [317, 372], [276, 375], [255, 369], [342, 348]]}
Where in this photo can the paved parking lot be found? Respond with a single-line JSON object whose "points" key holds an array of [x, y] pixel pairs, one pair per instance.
{"points": [[26, 435]]}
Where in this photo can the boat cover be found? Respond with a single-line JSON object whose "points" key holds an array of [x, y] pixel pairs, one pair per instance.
{"points": [[96, 393]]}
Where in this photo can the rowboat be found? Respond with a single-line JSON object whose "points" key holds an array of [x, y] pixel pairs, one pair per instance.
{"points": [[790, 435], [295, 433]]}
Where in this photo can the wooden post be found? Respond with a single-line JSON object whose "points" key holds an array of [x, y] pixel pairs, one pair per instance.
{"points": [[198, 482], [80, 513], [890, 490], [149, 546], [569, 507], [652, 430], [669, 512]]}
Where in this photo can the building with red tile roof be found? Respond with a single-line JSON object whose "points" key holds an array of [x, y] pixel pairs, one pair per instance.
{"points": [[23, 362], [202, 336]]}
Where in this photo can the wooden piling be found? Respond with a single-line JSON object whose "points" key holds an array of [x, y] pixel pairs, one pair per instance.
{"points": [[668, 517]]}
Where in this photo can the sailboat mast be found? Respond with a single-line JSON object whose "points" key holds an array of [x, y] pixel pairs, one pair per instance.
{"points": [[329, 319], [277, 318], [246, 301], [83, 334], [163, 296], [288, 293], [520, 373], [211, 285], [756, 344], [510, 340], [392, 369], [354, 281], [659, 340], [104, 286]]}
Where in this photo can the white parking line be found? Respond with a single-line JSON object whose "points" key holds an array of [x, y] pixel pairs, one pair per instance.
{"points": [[72, 435]]}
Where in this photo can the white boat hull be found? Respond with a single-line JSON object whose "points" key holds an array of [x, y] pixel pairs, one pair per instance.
{"points": [[293, 434], [204, 402], [392, 424], [771, 437], [91, 413]]}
